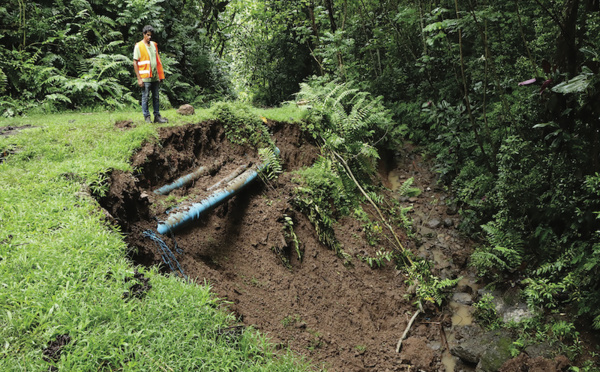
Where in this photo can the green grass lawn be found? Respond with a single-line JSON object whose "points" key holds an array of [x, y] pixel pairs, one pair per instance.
{"points": [[63, 269]]}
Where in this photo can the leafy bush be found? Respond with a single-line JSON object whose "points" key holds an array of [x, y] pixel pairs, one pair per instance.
{"points": [[323, 196], [485, 312], [429, 288], [349, 121], [242, 126], [504, 252]]}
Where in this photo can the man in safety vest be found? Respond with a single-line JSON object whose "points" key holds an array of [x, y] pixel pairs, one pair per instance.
{"points": [[149, 71]]}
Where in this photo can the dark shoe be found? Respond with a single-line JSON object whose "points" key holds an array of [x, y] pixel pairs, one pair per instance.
{"points": [[160, 119], [148, 120]]}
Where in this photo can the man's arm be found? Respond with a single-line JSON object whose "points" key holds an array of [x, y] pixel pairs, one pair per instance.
{"points": [[137, 73]]}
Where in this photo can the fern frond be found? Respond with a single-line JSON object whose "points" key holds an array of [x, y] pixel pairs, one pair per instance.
{"points": [[3, 81], [406, 188], [58, 97], [273, 165], [597, 322]]}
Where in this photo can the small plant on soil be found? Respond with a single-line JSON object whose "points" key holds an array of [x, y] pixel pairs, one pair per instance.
{"points": [[273, 165], [315, 341], [168, 202], [99, 185], [291, 320], [429, 288], [485, 312], [379, 260], [407, 190], [288, 227]]}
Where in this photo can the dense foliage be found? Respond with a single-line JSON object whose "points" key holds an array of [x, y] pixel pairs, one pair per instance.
{"points": [[505, 95], [71, 54]]}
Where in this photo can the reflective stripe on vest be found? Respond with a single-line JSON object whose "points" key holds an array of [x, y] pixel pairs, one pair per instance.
{"points": [[144, 62]]}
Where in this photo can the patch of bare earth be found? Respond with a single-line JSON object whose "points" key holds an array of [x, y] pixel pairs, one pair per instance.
{"points": [[11, 130], [343, 316]]}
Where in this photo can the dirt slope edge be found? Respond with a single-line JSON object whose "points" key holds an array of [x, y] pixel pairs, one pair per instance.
{"points": [[343, 317]]}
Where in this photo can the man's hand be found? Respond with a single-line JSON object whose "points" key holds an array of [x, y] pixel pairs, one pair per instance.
{"points": [[140, 82]]}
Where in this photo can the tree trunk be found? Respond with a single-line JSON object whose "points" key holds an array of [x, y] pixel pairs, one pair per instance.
{"points": [[329, 5]]}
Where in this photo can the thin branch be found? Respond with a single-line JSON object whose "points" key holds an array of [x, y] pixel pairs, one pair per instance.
{"points": [[466, 92], [554, 18], [524, 39], [412, 320], [349, 172], [444, 339]]}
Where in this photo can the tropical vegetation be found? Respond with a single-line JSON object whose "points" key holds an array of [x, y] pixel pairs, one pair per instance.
{"points": [[503, 95]]}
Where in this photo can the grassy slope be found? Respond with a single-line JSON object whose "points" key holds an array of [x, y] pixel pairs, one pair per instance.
{"points": [[62, 269]]}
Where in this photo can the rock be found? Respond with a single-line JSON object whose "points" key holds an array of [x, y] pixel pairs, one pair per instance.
{"points": [[434, 345], [427, 232], [468, 351], [496, 355], [462, 298], [452, 209], [434, 223], [186, 110], [485, 349], [464, 288], [516, 313], [448, 222], [467, 331], [544, 349], [507, 307]]}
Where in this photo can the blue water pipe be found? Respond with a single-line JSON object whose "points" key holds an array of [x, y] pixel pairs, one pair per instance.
{"points": [[194, 211], [231, 176], [188, 178]]}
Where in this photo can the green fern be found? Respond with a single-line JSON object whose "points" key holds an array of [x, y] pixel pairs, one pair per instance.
{"points": [[347, 120], [271, 160], [504, 251], [406, 188], [58, 97], [3, 81]]}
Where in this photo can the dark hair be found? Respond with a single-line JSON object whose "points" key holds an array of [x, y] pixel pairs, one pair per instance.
{"points": [[147, 29]]}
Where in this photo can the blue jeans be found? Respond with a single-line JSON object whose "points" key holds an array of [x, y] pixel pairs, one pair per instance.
{"points": [[153, 86]]}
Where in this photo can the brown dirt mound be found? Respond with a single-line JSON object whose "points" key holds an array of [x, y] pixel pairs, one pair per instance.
{"points": [[345, 317], [12, 130], [51, 353], [524, 363]]}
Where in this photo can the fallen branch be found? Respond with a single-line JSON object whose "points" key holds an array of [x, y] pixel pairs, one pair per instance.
{"points": [[349, 172], [444, 339], [412, 320]]}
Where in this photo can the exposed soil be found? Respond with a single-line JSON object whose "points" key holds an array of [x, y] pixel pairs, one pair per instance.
{"points": [[12, 130], [54, 349], [124, 124], [539, 364], [340, 313], [141, 285]]}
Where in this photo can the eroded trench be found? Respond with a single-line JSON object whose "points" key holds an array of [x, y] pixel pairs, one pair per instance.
{"points": [[342, 316]]}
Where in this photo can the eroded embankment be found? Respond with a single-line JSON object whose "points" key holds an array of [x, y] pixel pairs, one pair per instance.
{"points": [[343, 315]]}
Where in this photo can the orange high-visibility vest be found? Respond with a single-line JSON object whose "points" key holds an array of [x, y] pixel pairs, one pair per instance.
{"points": [[144, 62]]}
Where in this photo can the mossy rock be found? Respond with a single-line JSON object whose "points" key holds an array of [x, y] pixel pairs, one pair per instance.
{"points": [[494, 357]]}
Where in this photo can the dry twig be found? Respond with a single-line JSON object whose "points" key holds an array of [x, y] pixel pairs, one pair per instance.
{"points": [[399, 346]]}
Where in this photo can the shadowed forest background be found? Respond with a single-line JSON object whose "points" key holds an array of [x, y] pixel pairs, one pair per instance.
{"points": [[504, 95]]}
